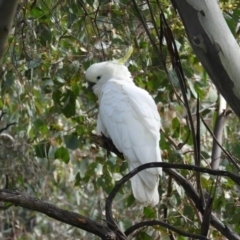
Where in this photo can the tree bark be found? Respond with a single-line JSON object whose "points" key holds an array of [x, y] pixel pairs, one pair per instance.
{"points": [[7, 12], [214, 45], [59, 214], [218, 133]]}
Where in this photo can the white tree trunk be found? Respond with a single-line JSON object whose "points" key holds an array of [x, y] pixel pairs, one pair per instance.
{"points": [[214, 45], [218, 133], [7, 12]]}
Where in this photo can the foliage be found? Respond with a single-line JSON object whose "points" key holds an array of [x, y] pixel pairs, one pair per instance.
{"points": [[44, 91]]}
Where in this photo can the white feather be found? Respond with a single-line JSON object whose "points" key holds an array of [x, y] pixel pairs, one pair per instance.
{"points": [[128, 115]]}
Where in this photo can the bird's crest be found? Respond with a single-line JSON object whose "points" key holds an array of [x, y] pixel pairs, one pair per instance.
{"points": [[126, 57]]}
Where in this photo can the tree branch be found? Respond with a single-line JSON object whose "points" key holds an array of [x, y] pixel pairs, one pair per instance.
{"points": [[230, 158], [192, 194], [7, 126], [207, 213], [59, 214], [165, 225], [190, 191], [151, 38], [218, 132]]}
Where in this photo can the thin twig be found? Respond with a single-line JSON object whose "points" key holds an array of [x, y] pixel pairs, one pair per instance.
{"points": [[143, 22], [208, 211], [230, 158], [7, 126], [193, 195], [176, 63], [165, 225]]}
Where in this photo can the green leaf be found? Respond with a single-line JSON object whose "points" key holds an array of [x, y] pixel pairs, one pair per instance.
{"points": [[90, 2], [41, 149], [62, 154], [90, 171], [235, 218], [56, 96], [34, 63], [143, 236], [44, 33], [176, 127], [175, 123], [106, 181], [149, 212], [187, 70], [191, 86], [8, 81], [200, 90], [71, 141], [77, 179], [69, 104], [181, 238], [219, 202], [76, 90], [188, 211], [174, 79], [130, 200], [41, 126], [37, 12]]}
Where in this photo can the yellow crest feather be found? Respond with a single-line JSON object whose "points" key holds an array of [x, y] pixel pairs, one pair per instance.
{"points": [[126, 57]]}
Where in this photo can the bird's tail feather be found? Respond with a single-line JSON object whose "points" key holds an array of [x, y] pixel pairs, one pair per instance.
{"points": [[142, 192], [150, 176]]}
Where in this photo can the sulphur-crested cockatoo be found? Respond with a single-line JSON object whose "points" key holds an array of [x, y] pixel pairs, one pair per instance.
{"points": [[128, 116]]}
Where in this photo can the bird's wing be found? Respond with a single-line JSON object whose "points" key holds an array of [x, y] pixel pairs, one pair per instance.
{"points": [[144, 106], [130, 118]]}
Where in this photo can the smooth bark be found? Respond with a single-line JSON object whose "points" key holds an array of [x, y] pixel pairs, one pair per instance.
{"points": [[218, 133], [214, 45]]}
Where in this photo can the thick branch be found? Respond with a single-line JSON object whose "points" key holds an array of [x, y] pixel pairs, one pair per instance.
{"points": [[59, 214]]}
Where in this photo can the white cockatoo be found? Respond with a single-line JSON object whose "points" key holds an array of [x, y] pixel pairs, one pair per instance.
{"points": [[128, 116]]}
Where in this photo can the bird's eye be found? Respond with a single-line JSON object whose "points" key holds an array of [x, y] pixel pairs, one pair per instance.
{"points": [[98, 77]]}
